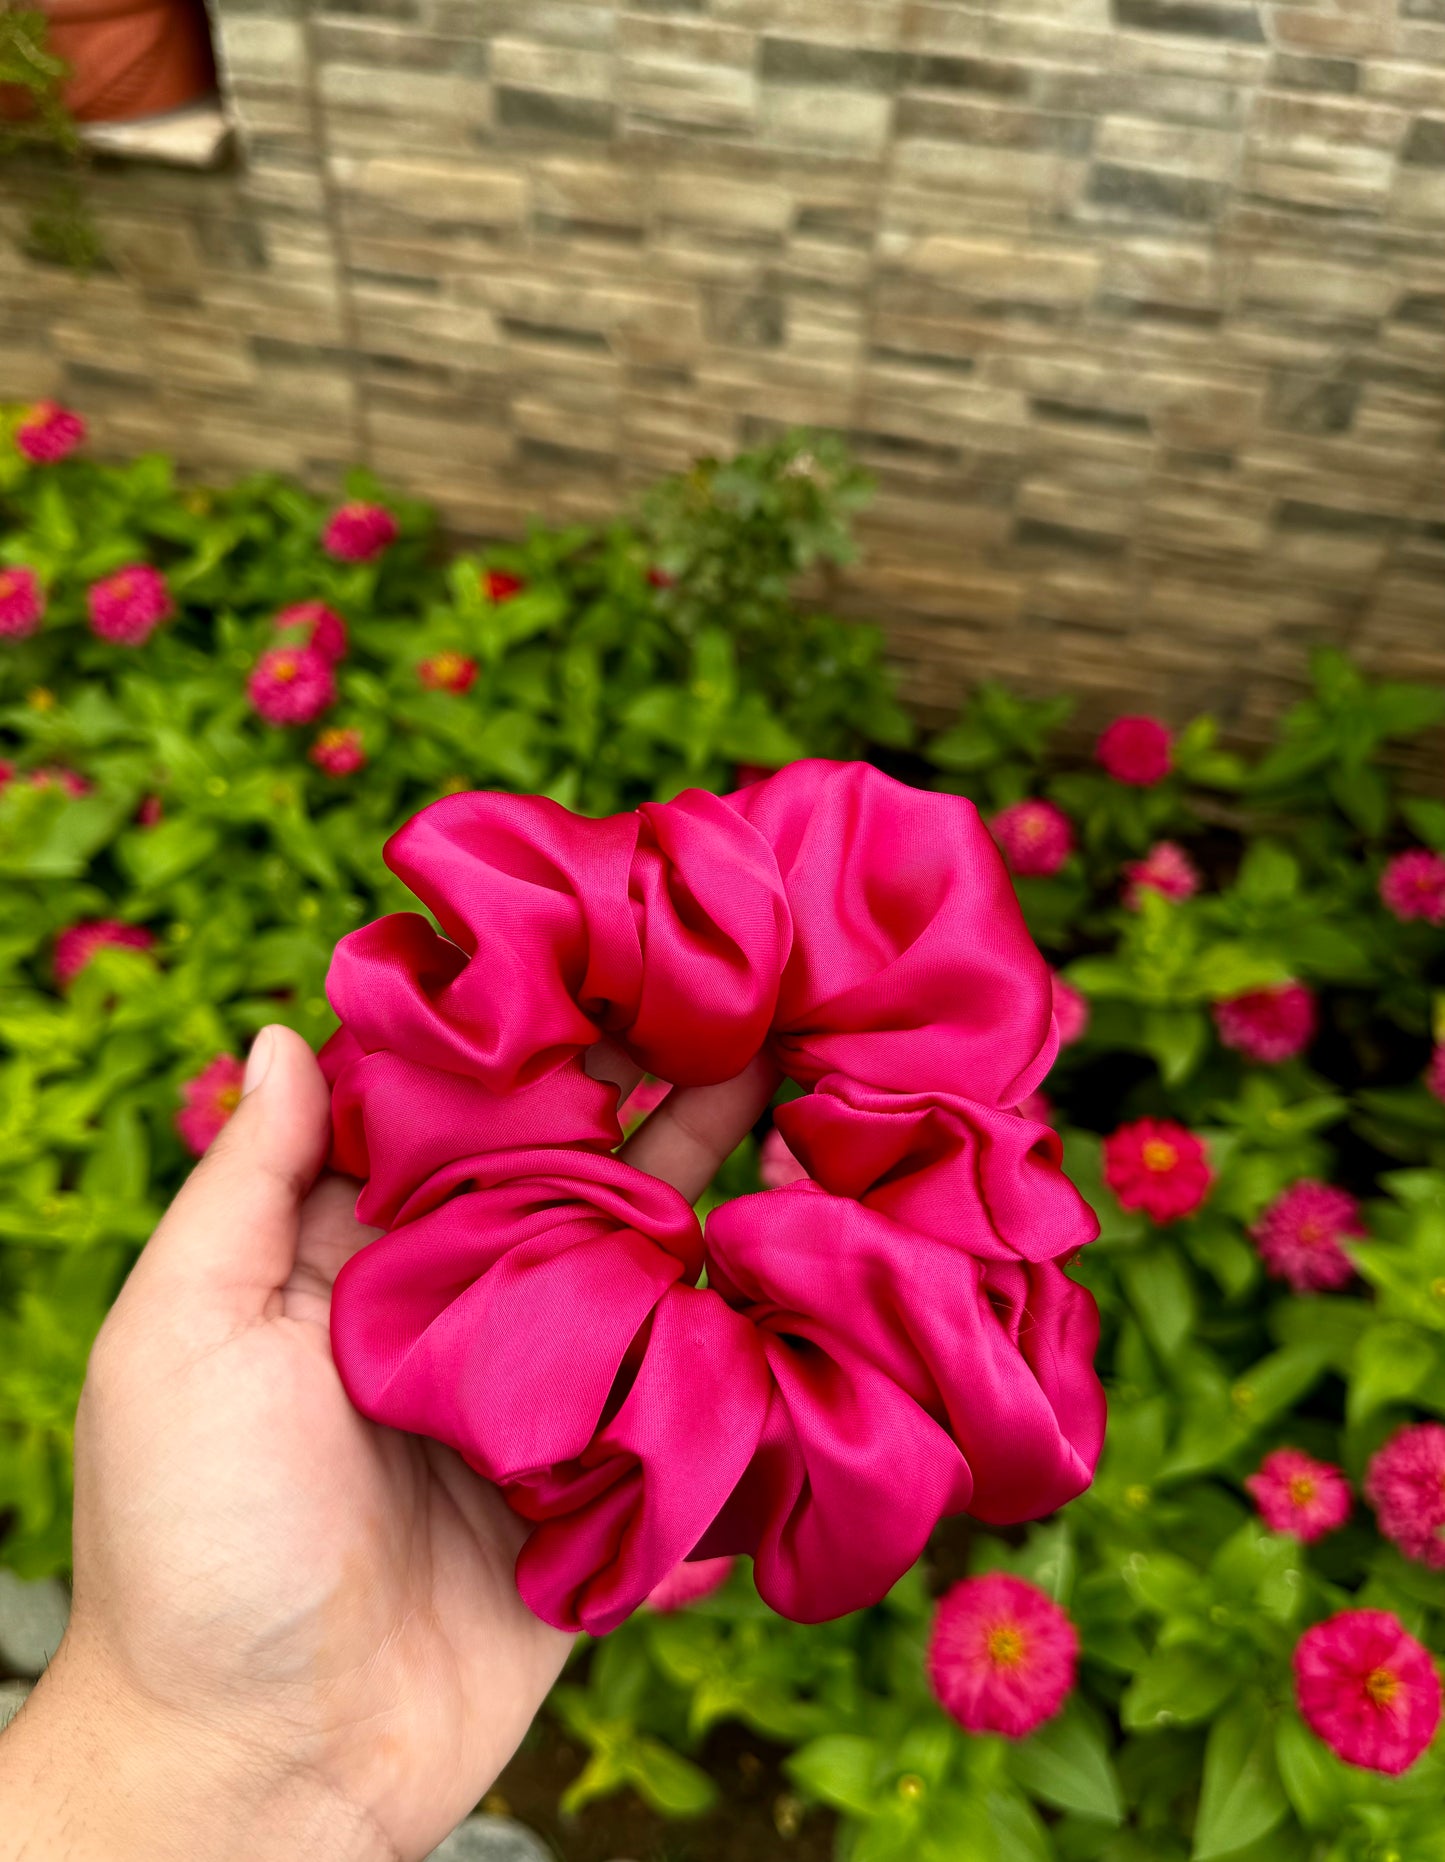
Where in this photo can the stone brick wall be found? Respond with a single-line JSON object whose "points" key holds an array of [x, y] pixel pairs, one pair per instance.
{"points": [[1136, 307]]}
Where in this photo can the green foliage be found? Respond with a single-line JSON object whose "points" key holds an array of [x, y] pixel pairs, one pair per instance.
{"points": [[36, 120], [1182, 1743], [634, 661], [595, 685]]}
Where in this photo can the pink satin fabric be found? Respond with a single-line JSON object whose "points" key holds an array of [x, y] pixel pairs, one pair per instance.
{"points": [[888, 1342]]}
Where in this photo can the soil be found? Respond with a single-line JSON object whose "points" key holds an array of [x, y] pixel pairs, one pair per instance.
{"points": [[758, 1819]]}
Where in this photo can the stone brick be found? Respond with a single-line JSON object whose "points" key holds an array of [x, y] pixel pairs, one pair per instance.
{"points": [[821, 118], [715, 96], [434, 192]]}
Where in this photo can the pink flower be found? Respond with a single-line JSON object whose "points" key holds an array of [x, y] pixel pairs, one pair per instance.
{"points": [[7, 773], [1157, 1166], [313, 624], [659, 578], [208, 1101], [690, 1582], [52, 776], [126, 608], [1435, 1074], [1036, 838], [22, 603], [149, 814], [78, 943], [748, 773], [292, 685], [1037, 1106], [1165, 869], [1268, 1025], [338, 752], [776, 1164], [1003, 1657], [501, 586], [1405, 1483], [49, 433], [1413, 886], [357, 532], [1071, 1011], [1298, 1236], [644, 1098], [1368, 1689], [447, 672], [1299, 1495], [1136, 750]]}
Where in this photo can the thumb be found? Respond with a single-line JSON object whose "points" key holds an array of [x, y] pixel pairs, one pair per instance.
{"points": [[229, 1238]]}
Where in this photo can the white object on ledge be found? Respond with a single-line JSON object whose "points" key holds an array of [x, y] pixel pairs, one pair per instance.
{"points": [[196, 136]]}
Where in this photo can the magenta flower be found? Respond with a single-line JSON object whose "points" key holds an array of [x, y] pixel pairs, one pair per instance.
{"points": [[1136, 750], [1036, 838], [1268, 1025], [501, 586], [690, 1582], [1368, 1689], [1071, 1011], [78, 943], [358, 532], [292, 685], [338, 752], [447, 672], [776, 1164], [7, 773], [1299, 1495], [1413, 886], [1299, 1236], [49, 433], [1165, 869], [1037, 1106], [1003, 1657], [313, 624], [1405, 1484], [126, 608], [208, 1101], [56, 776], [1158, 1166], [151, 811], [22, 603], [1435, 1074]]}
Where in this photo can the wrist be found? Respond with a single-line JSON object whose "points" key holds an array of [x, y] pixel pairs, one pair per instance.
{"points": [[89, 1772]]}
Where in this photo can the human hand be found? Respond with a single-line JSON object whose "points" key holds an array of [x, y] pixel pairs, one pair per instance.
{"points": [[294, 1631]]}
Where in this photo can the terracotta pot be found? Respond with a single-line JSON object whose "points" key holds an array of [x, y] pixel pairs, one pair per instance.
{"points": [[131, 58]]}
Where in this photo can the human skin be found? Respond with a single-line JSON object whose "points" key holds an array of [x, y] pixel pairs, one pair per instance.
{"points": [[295, 1632]]}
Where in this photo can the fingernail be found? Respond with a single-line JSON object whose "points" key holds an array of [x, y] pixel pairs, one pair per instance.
{"points": [[258, 1060]]}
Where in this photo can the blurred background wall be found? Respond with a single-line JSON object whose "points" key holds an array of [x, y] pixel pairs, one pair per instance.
{"points": [[1135, 307]]}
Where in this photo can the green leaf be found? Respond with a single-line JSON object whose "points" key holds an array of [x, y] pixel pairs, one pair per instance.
{"points": [[156, 857], [1363, 795], [1161, 1293], [841, 1769], [1313, 1778], [1066, 1764], [671, 1784], [1391, 1362], [1240, 1798], [1177, 1686], [1267, 874], [1426, 819], [1177, 1039]]}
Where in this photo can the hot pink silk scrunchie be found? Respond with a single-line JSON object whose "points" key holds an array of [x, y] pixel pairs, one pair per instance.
{"points": [[888, 1342]]}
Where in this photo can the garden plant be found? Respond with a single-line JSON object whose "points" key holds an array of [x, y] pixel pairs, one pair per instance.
{"points": [[214, 706]]}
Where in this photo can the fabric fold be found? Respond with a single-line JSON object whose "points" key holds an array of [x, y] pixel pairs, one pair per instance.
{"points": [[829, 1368]]}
